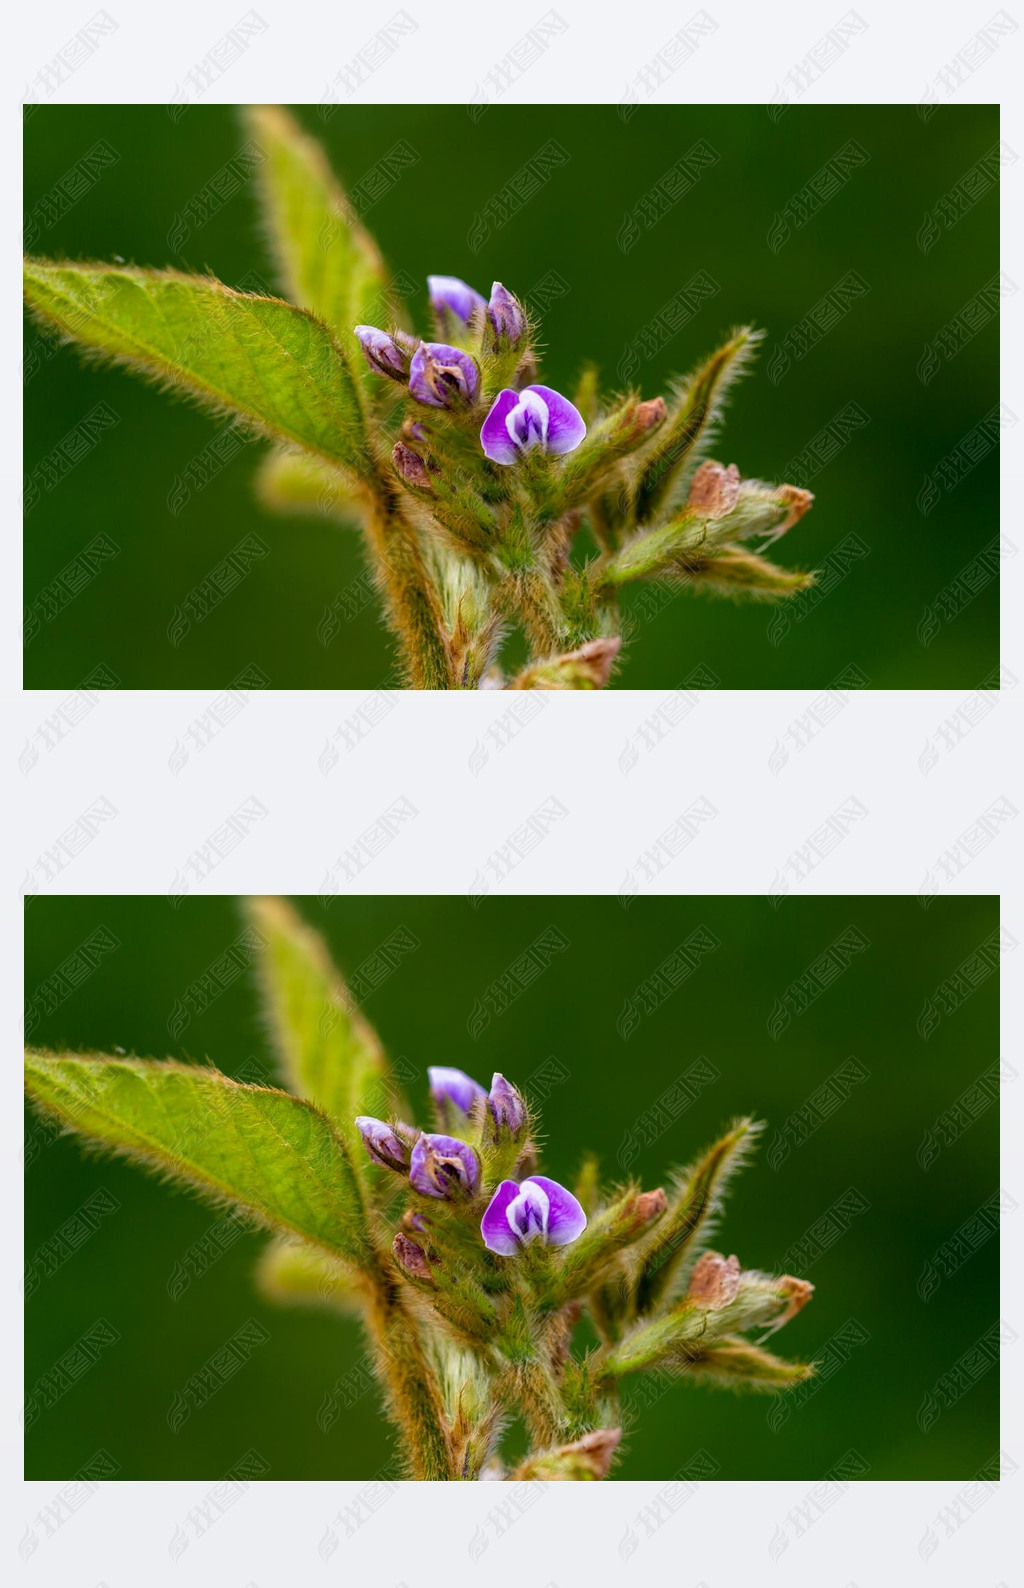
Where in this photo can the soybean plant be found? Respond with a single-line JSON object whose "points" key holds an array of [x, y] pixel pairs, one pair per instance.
{"points": [[491, 507], [473, 1273]]}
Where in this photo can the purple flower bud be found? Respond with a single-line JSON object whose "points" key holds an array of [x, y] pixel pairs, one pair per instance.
{"points": [[506, 1107], [383, 1143], [442, 376], [453, 1088], [450, 295], [383, 353], [535, 417], [535, 1209], [441, 1166], [506, 316]]}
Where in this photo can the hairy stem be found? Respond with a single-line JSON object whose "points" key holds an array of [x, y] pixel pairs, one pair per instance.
{"points": [[528, 593], [534, 1388], [413, 1397], [413, 604]]}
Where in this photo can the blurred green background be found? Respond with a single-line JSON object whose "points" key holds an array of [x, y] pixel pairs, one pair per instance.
{"points": [[429, 220], [435, 996]]}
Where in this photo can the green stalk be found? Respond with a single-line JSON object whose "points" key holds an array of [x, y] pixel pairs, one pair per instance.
{"points": [[529, 593], [413, 603], [413, 1396]]}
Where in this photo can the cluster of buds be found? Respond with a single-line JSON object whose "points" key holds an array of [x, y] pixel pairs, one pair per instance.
{"points": [[449, 1169], [447, 374]]}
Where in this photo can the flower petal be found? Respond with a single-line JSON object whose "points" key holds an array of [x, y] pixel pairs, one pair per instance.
{"points": [[442, 1166], [442, 376], [455, 1086], [494, 437], [448, 292], [566, 427], [494, 1226], [566, 1219]]}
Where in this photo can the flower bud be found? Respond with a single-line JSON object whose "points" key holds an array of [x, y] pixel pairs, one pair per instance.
{"points": [[450, 296], [384, 353], [410, 467], [443, 376], [650, 414], [714, 489], [506, 1107], [715, 1281], [650, 1205], [412, 1259], [384, 1143], [799, 1292], [507, 318], [441, 1166], [454, 1094]]}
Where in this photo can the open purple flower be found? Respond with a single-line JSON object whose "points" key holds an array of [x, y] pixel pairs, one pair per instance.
{"points": [[384, 353], [453, 1087], [535, 1209], [443, 376], [535, 417], [383, 1143], [441, 1166], [449, 294]]}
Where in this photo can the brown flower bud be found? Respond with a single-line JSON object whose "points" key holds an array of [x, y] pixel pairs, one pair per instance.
{"points": [[411, 467], [715, 1281], [649, 415], [797, 501], [650, 1205], [799, 1292], [412, 1259], [714, 489]]}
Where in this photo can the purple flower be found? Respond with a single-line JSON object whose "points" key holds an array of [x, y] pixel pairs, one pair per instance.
{"points": [[383, 353], [534, 417], [506, 1107], [453, 1087], [443, 1167], [442, 376], [535, 1209], [506, 316], [450, 295], [383, 1143]]}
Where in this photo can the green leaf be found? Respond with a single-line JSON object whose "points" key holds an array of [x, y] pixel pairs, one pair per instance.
{"points": [[275, 365], [251, 1146], [327, 260], [328, 1051], [696, 1200], [293, 482], [294, 1274], [691, 423]]}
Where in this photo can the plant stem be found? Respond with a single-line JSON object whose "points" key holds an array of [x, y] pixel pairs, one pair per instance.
{"points": [[415, 1402], [541, 1403], [414, 607], [530, 595]]}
